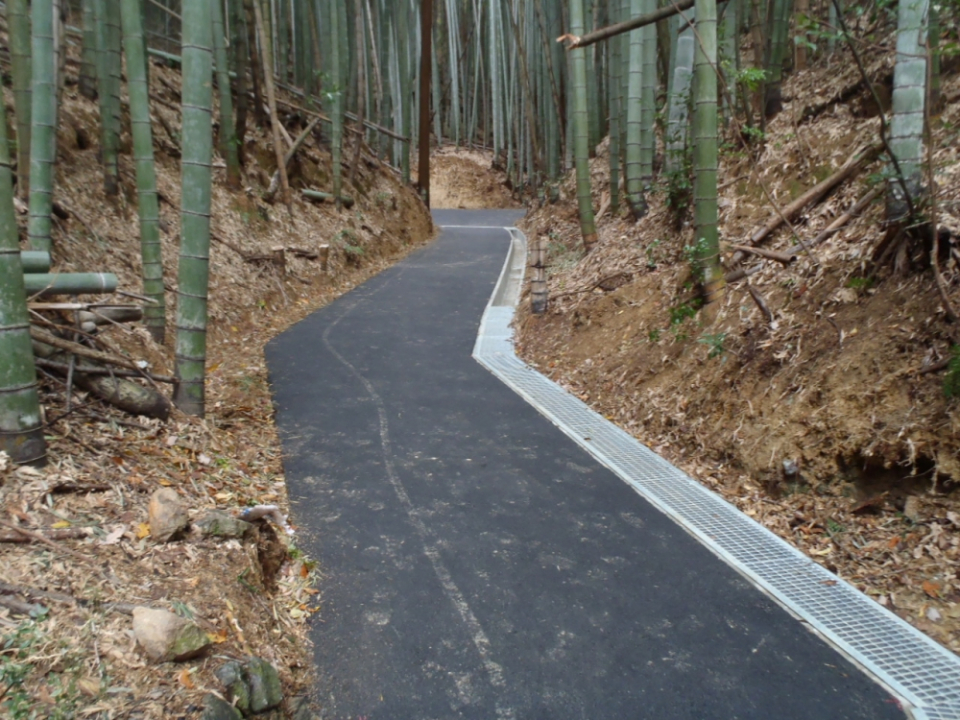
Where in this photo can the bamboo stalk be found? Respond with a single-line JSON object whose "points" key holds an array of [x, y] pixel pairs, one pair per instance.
{"points": [[21, 432], [196, 176], [148, 203]]}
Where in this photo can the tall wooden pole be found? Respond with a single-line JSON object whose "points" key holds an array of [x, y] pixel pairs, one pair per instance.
{"points": [[426, 67]]}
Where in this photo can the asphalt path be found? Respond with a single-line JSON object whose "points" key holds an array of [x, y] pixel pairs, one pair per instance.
{"points": [[477, 563]]}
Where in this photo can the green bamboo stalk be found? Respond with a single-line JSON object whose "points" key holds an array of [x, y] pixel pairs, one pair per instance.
{"points": [[705, 212], [935, 98], [406, 100], [679, 101], [18, 31], [108, 77], [648, 98], [47, 284], [148, 205], [241, 66], [909, 96], [730, 56], [196, 175], [615, 68], [633, 167], [227, 137], [21, 431], [779, 25], [33, 261], [43, 144], [581, 139], [88, 58], [336, 97]]}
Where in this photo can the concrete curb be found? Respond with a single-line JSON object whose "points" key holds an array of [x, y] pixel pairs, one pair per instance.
{"points": [[923, 675]]}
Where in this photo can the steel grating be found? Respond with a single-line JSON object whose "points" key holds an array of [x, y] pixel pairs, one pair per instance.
{"points": [[924, 675]]}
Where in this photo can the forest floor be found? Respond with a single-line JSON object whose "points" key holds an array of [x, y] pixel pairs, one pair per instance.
{"points": [[827, 421], [79, 657]]}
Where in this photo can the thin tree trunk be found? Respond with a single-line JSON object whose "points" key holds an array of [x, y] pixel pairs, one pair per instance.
{"points": [[196, 179], [426, 65], [272, 101]]}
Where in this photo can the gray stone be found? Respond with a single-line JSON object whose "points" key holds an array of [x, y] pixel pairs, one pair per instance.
{"points": [[215, 708], [222, 525], [165, 636], [265, 691], [232, 677], [252, 686]]}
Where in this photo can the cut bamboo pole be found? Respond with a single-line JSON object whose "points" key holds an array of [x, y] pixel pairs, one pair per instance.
{"points": [[46, 284]]}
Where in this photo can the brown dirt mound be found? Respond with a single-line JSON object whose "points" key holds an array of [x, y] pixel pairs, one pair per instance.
{"points": [[465, 179]]}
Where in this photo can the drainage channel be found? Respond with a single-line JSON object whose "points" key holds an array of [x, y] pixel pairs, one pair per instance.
{"points": [[922, 674]]}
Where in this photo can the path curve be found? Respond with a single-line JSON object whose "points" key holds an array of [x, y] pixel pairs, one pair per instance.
{"points": [[477, 563]]}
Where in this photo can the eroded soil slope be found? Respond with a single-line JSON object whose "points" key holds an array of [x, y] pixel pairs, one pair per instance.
{"points": [[253, 596], [844, 380]]}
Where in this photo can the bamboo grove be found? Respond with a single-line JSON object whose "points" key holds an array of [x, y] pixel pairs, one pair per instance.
{"points": [[659, 79]]}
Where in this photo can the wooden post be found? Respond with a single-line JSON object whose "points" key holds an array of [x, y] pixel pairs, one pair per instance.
{"points": [[538, 290], [426, 68]]}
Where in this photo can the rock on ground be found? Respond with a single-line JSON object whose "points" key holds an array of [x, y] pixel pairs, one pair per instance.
{"points": [[168, 516], [253, 686], [165, 636]]}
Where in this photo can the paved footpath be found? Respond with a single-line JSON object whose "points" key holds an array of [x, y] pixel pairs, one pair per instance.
{"points": [[477, 563]]}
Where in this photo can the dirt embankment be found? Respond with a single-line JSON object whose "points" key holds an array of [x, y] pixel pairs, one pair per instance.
{"points": [[838, 381], [465, 179], [253, 596]]}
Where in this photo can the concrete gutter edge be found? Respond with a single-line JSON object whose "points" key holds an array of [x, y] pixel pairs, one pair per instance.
{"points": [[934, 696]]}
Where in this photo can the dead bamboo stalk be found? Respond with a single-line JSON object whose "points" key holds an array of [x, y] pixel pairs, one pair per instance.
{"points": [[82, 350], [272, 102], [783, 258], [762, 304], [842, 220], [814, 194], [297, 144]]}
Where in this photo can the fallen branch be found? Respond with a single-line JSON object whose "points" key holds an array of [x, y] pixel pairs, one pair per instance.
{"points": [[297, 144], [82, 350], [783, 258], [610, 31], [46, 541], [762, 304], [125, 608], [842, 219], [323, 196], [21, 608], [57, 534], [91, 370], [814, 194]]}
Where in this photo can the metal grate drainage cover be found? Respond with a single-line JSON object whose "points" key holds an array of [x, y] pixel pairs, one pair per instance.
{"points": [[922, 674]]}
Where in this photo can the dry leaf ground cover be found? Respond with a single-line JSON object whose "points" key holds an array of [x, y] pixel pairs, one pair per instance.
{"points": [[78, 657], [837, 384]]}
